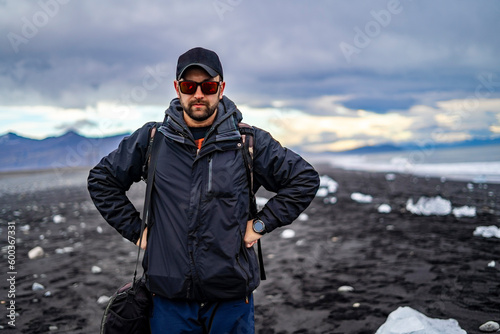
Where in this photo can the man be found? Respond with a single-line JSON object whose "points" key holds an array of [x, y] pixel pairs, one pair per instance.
{"points": [[199, 261]]}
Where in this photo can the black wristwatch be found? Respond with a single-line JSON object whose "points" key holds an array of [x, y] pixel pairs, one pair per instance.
{"points": [[259, 226]]}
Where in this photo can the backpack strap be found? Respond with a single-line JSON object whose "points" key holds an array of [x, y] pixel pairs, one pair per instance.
{"points": [[247, 139], [151, 156], [149, 152]]}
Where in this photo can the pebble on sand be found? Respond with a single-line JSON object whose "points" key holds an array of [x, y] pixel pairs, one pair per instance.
{"points": [[35, 253], [37, 287], [330, 200], [489, 327], [345, 288]]}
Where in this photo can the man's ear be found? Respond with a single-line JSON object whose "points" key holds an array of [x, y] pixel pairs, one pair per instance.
{"points": [[222, 86], [176, 86]]}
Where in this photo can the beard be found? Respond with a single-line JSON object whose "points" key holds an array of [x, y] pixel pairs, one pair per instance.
{"points": [[199, 114]]}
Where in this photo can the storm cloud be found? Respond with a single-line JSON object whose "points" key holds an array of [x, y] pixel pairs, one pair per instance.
{"points": [[322, 58]]}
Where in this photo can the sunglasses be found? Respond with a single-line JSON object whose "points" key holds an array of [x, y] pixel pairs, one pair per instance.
{"points": [[207, 87]]}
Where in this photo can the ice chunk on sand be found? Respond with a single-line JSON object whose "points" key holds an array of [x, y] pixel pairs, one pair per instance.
{"points": [[261, 201], [103, 300], [288, 233], [487, 231], [345, 288], [384, 208], [96, 270], [429, 206], [327, 185], [303, 217], [64, 250], [361, 198], [322, 192], [464, 211], [58, 219], [390, 177], [406, 320]]}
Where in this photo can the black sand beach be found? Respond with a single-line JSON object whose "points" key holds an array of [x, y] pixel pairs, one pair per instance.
{"points": [[433, 264]]}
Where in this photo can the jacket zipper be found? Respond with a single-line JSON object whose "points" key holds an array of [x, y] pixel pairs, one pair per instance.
{"points": [[210, 171], [244, 270], [246, 258]]}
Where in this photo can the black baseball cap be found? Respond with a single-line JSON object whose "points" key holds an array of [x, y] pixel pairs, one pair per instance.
{"points": [[206, 59]]}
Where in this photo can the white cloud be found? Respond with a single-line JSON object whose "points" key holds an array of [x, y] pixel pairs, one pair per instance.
{"points": [[107, 118], [355, 128]]}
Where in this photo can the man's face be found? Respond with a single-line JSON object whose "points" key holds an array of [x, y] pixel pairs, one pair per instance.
{"points": [[199, 108]]}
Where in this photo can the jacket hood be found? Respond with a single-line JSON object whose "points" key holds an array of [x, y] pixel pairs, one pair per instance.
{"points": [[225, 109]]}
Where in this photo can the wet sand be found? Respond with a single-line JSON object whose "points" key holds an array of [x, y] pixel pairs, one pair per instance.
{"points": [[433, 264]]}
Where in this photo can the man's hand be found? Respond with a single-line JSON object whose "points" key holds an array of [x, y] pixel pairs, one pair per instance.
{"points": [[144, 239], [251, 237]]}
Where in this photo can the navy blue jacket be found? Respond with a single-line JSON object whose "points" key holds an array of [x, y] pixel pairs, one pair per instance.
{"points": [[200, 203]]}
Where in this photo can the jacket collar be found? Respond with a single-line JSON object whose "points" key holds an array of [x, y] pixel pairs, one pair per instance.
{"points": [[227, 119]]}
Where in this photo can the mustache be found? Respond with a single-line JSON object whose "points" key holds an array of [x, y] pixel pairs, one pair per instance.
{"points": [[198, 102]]}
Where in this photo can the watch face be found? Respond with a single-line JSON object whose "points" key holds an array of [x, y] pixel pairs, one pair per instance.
{"points": [[258, 226]]}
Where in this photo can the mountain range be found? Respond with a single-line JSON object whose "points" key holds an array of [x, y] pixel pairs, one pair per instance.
{"points": [[69, 150], [389, 148], [74, 150]]}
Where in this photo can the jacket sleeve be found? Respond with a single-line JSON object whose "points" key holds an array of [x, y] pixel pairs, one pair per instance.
{"points": [[110, 179], [284, 172]]}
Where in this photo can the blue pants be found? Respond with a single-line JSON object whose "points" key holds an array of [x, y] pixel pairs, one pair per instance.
{"points": [[226, 317]]}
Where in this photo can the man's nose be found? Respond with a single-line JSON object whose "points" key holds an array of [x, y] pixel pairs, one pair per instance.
{"points": [[198, 93]]}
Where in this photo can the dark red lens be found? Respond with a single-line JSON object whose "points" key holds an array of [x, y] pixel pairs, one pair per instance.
{"points": [[207, 87], [188, 87]]}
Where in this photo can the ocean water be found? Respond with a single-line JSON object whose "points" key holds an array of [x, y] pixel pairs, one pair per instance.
{"points": [[477, 164], [30, 182]]}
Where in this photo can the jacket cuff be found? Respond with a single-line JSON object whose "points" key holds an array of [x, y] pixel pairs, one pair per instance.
{"points": [[136, 234], [269, 220]]}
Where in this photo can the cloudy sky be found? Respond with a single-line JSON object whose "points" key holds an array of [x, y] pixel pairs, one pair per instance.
{"points": [[326, 75]]}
